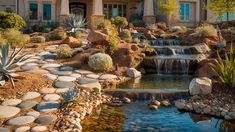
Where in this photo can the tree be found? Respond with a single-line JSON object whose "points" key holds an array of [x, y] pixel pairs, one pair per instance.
{"points": [[220, 7], [168, 8]]}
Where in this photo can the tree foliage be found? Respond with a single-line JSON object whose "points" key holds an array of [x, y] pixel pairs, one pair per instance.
{"points": [[168, 7]]}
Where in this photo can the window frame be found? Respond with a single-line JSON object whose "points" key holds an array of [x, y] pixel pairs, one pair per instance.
{"points": [[185, 12], [29, 9], [44, 3], [108, 9]]}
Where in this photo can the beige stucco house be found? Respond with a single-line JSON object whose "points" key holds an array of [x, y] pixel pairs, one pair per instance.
{"points": [[8, 5], [95, 11]]}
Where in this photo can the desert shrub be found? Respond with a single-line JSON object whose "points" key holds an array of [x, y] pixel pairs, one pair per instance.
{"points": [[138, 23], [74, 22], [206, 30], [105, 24], [38, 39], [100, 62], [77, 35], [46, 29], [113, 43], [64, 51], [58, 34], [179, 29], [225, 69], [120, 22], [125, 35], [11, 20]]}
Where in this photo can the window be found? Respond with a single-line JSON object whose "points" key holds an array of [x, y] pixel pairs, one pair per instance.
{"points": [[47, 11], [113, 10], [184, 11], [33, 8]]}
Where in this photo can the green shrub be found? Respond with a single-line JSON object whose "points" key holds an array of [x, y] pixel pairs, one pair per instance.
{"points": [[100, 62], [113, 43], [206, 30], [105, 24], [58, 34], [138, 23], [120, 22], [46, 29], [125, 35], [38, 39], [77, 35], [64, 51], [225, 70], [11, 20]]}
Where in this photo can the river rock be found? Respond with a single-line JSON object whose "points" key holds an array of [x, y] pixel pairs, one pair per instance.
{"points": [[50, 76], [29, 68], [62, 84], [107, 77], [33, 113], [61, 73], [126, 100], [62, 90], [8, 111], [200, 86], [66, 78], [12, 102], [47, 106], [86, 81], [39, 129], [155, 102], [51, 97], [2, 129], [165, 103], [207, 110], [46, 119], [30, 95], [76, 75], [22, 120], [133, 73], [27, 104], [50, 65], [83, 72], [153, 107], [66, 68], [180, 104], [93, 76], [22, 129], [91, 87], [47, 90]]}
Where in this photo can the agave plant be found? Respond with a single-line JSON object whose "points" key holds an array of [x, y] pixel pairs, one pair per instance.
{"points": [[8, 61], [74, 22], [226, 69]]}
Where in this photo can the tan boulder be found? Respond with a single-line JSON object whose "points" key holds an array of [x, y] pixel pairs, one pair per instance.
{"points": [[97, 36], [72, 42]]}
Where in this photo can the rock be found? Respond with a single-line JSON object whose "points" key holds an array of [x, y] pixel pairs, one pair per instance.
{"points": [[107, 77], [33, 113], [47, 90], [40, 71], [72, 42], [227, 117], [66, 68], [66, 78], [62, 90], [93, 76], [27, 104], [83, 72], [22, 129], [200, 86], [2, 82], [62, 84], [126, 100], [39, 129], [50, 56], [30, 95], [205, 70], [165, 103], [50, 76], [96, 36], [207, 110], [87, 81], [51, 97], [133, 73], [61, 73], [180, 104], [50, 65], [8, 111], [232, 115], [22, 120], [2, 129], [153, 107], [12, 102], [46, 119], [48, 106], [91, 87], [29, 68], [155, 102]]}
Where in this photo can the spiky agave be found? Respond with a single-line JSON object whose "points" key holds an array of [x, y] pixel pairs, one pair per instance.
{"points": [[74, 22]]}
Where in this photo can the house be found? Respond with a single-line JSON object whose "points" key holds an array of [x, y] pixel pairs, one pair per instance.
{"points": [[8, 5], [95, 11]]}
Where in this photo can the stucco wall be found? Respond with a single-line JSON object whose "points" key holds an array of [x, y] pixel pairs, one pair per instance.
{"points": [[4, 4]]}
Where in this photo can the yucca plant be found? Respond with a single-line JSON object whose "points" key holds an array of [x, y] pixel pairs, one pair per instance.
{"points": [[226, 69], [74, 22]]}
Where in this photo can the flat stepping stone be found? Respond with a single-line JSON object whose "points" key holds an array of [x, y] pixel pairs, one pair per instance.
{"points": [[48, 106], [49, 60], [47, 90], [66, 68], [2, 129], [50, 65], [91, 87], [62, 84], [30, 95], [33, 113], [93, 76], [39, 129], [22, 120], [49, 56], [66, 78], [11, 102], [8, 111], [51, 97], [40, 71], [50, 76], [46, 119], [31, 64], [108, 77], [76, 75], [61, 73], [83, 72], [29, 68], [22, 129], [62, 90], [27, 104], [86, 81], [43, 53]]}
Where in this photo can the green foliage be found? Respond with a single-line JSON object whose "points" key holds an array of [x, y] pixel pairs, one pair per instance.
{"points": [[106, 24], [46, 29], [113, 43], [38, 39], [120, 22], [11, 20], [225, 69], [77, 35], [125, 35], [64, 51], [74, 22], [100, 62], [138, 23], [168, 7], [58, 34], [206, 30]]}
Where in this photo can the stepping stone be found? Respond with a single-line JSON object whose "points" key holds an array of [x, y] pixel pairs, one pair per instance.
{"points": [[22, 120], [108, 77], [47, 90], [62, 90], [43, 53], [8, 111], [22, 129], [33, 113], [49, 60], [91, 87], [30, 95], [51, 97], [50, 65], [48, 106], [36, 57], [86, 81], [52, 69], [46, 119], [62, 84], [93, 76], [12, 102], [27, 104], [61, 73], [40, 71], [2, 129], [66, 68], [66, 78], [29, 68], [50, 56], [76, 75], [50, 76], [31, 64], [39, 129], [83, 72]]}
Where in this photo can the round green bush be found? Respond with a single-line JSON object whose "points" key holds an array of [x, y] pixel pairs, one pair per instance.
{"points": [[100, 62], [38, 39], [125, 35], [11, 20], [64, 51], [58, 34]]}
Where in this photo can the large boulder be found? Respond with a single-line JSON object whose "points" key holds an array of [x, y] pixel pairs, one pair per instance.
{"points": [[204, 69], [133, 73], [200, 86], [72, 42], [201, 48], [97, 36]]}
